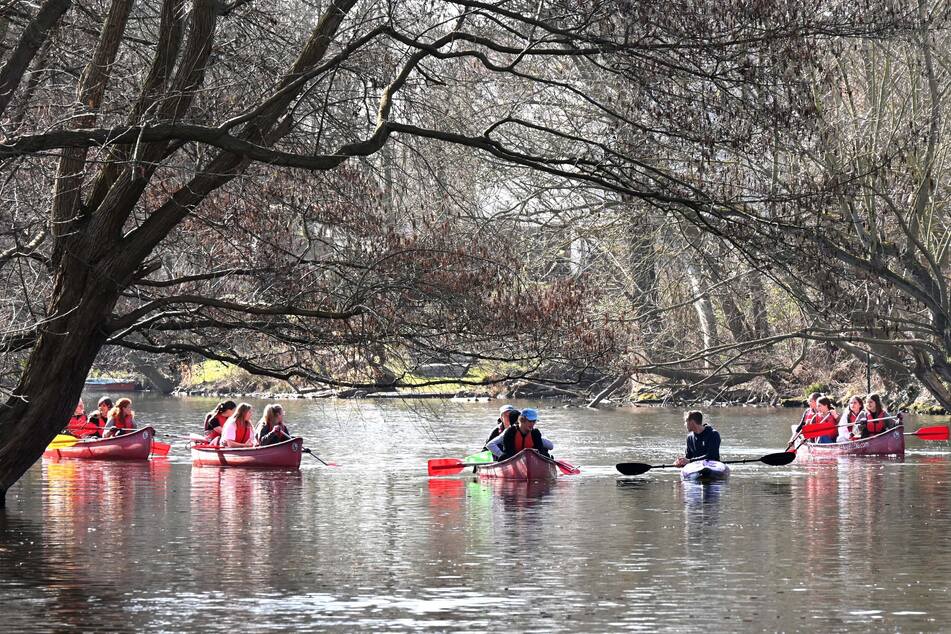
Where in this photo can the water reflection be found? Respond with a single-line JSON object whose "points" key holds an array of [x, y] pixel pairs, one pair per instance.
{"points": [[848, 545]]}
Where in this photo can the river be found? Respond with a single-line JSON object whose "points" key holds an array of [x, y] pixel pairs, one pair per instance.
{"points": [[375, 544]]}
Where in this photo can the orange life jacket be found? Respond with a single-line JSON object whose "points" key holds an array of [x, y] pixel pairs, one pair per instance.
{"points": [[523, 442], [875, 424]]}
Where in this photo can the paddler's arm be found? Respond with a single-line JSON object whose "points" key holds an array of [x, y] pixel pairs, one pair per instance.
{"points": [[547, 444], [495, 446]]}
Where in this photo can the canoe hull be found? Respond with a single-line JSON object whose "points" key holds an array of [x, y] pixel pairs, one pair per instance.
{"points": [[284, 454], [888, 443], [705, 471], [136, 445], [526, 465]]}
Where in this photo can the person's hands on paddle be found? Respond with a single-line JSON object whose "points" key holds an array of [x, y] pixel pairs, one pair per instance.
{"points": [[681, 461]]}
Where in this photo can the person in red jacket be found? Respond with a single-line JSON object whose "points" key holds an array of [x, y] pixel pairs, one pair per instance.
{"points": [[101, 418], [215, 419], [78, 424], [825, 415]]}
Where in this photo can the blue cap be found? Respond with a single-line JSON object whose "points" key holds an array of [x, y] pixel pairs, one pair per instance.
{"points": [[530, 414]]}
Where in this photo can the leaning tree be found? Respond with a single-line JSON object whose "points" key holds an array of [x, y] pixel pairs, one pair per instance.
{"points": [[235, 179]]}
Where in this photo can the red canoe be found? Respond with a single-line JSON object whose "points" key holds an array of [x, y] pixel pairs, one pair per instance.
{"points": [[890, 442], [282, 454], [136, 445], [526, 465]]}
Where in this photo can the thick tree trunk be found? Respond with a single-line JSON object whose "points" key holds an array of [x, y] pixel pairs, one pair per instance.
{"points": [[52, 380]]}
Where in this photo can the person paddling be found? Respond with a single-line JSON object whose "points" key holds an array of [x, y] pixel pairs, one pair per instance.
{"points": [[806, 418], [519, 437], [100, 419], [271, 428], [825, 415], [237, 430], [851, 419], [216, 418], [120, 420], [79, 426], [703, 441], [876, 419], [508, 416]]}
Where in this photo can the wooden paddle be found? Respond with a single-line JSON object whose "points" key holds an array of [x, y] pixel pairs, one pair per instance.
{"points": [[449, 466], [774, 460]]}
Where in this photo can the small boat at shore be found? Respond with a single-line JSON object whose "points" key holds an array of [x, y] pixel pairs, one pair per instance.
{"points": [[704, 471], [136, 445], [528, 464], [890, 442], [111, 385], [282, 454]]}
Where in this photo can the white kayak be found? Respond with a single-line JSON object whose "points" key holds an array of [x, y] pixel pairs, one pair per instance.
{"points": [[705, 471]]}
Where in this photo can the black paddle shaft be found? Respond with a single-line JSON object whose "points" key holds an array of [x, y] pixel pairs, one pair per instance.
{"points": [[777, 459]]}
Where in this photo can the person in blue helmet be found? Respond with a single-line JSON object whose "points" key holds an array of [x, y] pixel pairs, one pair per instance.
{"points": [[519, 437]]}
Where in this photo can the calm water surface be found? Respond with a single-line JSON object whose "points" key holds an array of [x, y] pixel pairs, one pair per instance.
{"points": [[375, 544]]}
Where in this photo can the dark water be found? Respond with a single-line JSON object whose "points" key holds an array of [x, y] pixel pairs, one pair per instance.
{"points": [[854, 545]]}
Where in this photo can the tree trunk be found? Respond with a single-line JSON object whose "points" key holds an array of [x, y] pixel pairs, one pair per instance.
{"points": [[52, 380]]}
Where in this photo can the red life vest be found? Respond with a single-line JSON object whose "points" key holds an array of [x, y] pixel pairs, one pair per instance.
{"points": [[242, 433], [809, 416], [80, 426], [852, 417], [123, 423], [829, 418], [523, 442], [875, 424]]}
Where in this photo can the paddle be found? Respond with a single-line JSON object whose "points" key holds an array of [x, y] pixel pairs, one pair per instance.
{"points": [[326, 464], [938, 432], [160, 448], [61, 441], [567, 468], [449, 466], [774, 460], [792, 439]]}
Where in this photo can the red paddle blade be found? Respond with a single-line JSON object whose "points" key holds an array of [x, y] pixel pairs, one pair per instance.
{"points": [[823, 429], [444, 466], [567, 468], [939, 432], [160, 448]]}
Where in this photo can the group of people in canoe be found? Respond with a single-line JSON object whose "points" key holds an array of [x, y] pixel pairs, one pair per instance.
{"points": [[515, 431], [110, 419], [229, 425], [862, 418]]}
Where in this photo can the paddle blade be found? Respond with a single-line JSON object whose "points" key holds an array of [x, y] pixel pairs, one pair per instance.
{"points": [[62, 441], [632, 468], [483, 457], [567, 468], [444, 466], [939, 432], [160, 448], [778, 459], [815, 431]]}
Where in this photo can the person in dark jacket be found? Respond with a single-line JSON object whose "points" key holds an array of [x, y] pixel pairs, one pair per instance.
{"points": [[271, 428], [508, 416], [703, 441]]}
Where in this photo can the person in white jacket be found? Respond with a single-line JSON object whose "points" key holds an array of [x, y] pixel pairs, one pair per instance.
{"points": [[852, 416]]}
